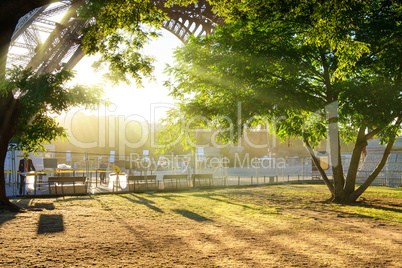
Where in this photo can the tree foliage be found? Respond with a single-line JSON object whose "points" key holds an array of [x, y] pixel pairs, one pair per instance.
{"points": [[118, 30], [314, 69], [41, 98], [28, 105]]}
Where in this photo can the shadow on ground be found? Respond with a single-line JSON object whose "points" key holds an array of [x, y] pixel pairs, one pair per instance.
{"points": [[191, 215], [52, 223], [142, 201], [6, 216], [41, 206]]}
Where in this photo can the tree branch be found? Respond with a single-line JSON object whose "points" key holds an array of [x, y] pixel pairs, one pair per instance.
{"points": [[373, 133], [317, 164], [375, 172], [378, 169], [313, 70]]}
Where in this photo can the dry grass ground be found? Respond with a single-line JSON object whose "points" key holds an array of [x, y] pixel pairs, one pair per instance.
{"points": [[276, 226]]}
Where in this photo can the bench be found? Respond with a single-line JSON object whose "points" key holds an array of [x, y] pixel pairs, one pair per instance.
{"points": [[202, 180], [142, 183], [67, 185], [176, 181]]}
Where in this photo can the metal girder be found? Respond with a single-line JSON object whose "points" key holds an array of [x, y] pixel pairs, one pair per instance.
{"points": [[47, 39], [45, 21], [25, 22], [50, 44], [194, 19]]}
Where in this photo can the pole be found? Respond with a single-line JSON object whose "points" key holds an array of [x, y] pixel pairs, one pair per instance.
{"points": [[195, 168], [256, 171], [14, 176], [87, 169], [226, 175], [174, 162], [283, 173]]}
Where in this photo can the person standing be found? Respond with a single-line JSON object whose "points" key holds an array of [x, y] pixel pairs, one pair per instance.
{"points": [[26, 165]]}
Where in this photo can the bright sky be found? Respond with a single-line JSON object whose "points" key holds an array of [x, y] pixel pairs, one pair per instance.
{"points": [[149, 102]]}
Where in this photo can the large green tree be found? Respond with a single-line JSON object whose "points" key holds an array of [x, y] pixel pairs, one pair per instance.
{"points": [[37, 99], [10, 106], [317, 69]]}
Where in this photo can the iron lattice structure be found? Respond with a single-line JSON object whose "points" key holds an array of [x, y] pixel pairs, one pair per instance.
{"points": [[195, 19], [48, 38]]}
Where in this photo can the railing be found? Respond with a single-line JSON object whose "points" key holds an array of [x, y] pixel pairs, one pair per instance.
{"points": [[98, 179], [38, 184]]}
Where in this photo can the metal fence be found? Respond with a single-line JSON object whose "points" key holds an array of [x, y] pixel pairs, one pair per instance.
{"points": [[385, 178], [97, 181], [83, 174]]}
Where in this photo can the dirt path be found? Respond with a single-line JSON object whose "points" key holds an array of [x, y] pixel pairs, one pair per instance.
{"points": [[255, 227]]}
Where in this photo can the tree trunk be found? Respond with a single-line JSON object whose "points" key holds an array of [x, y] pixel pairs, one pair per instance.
{"points": [[335, 152], [361, 142], [343, 191], [4, 201], [9, 112], [336, 164]]}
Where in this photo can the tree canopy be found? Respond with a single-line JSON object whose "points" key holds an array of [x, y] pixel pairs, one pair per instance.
{"points": [[313, 69], [118, 32], [29, 103], [41, 98]]}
